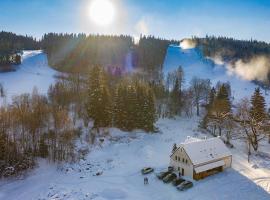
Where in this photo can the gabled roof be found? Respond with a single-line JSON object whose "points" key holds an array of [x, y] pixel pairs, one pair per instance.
{"points": [[205, 150]]}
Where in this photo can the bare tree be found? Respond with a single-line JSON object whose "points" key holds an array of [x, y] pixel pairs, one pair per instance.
{"points": [[253, 130], [200, 89]]}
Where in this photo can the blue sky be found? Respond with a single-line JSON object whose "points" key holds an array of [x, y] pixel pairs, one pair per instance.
{"points": [[242, 19]]}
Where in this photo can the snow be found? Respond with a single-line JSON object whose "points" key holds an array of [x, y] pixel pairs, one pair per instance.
{"points": [[206, 150], [33, 72], [209, 166], [194, 64], [123, 154], [120, 157]]}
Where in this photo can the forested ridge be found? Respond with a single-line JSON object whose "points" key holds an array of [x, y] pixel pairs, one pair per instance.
{"points": [[78, 52], [230, 49], [11, 45]]}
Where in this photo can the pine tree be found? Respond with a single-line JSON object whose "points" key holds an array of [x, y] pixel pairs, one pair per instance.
{"points": [[175, 103], [258, 106], [220, 110], [99, 105], [151, 111], [222, 100]]}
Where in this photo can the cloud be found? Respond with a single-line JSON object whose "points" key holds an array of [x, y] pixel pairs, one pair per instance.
{"points": [[257, 68], [187, 44]]}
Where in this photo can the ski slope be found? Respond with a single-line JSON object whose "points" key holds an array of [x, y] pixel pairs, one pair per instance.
{"points": [[122, 155], [194, 64], [33, 72]]}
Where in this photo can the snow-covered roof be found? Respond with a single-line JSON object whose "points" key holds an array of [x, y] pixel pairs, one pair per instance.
{"points": [[205, 150], [209, 166]]}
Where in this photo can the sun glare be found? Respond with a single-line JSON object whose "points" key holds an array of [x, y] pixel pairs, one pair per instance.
{"points": [[102, 12]]}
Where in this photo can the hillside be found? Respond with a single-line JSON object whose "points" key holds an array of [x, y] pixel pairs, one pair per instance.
{"points": [[122, 154], [33, 72], [248, 58], [195, 64], [121, 157]]}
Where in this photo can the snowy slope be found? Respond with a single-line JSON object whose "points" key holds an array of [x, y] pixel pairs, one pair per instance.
{"points": [[122, 155], [121, 160], [194, 64], [33, 72]]}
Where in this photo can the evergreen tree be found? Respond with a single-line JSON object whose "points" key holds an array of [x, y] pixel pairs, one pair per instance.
{"points": [[175, 99], [258, 106], [220, 110], [99, 99], [134, 106]]}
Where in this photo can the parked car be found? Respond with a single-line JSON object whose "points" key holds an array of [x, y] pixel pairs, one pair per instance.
{"points": [[169, 178], [147, 170], [170, 169], [161, 175], [178, 181], [185, 185]]}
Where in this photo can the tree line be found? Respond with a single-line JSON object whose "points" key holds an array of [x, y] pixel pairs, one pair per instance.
{"points": [[34, 125], [130, 105], [11, 45], [78, 52], [230, 49]]}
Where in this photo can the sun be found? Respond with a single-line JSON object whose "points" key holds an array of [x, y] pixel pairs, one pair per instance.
{"points": [[102, 12]]}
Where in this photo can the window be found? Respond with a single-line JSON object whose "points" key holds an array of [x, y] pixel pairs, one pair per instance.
{"points": [[179, 168], [183, 160], [175, 157], [179, 159], [186, 161]]}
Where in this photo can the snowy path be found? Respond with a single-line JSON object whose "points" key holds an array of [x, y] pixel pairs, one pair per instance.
{"points": [[33, 72], [121, 162], [260, 176]]}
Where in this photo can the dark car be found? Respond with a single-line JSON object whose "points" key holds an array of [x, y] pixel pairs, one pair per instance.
{"points": [[147, 170], [185, 185], [178, 181], [161, 175], [169, 178]]}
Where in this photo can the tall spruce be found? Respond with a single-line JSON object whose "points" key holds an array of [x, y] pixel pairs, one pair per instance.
{"points": [[99, 100], [258, 106]]}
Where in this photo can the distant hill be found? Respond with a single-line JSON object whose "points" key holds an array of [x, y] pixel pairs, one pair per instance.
{"points": [[78, 52], [11, 46], [250, 59], [230, 49]]}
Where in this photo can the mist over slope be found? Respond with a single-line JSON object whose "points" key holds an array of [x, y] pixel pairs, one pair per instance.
{"points": [[195, 64]]}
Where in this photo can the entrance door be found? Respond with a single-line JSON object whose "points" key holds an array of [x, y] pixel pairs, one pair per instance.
{"points": [[183, 171]]}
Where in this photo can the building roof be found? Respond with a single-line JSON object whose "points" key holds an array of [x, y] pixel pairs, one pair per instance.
{"points": [[205, 150]]}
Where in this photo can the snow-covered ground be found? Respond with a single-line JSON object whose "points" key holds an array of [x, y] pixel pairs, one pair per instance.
{"points": [[194, 64], [121, 158], [33, 72]]}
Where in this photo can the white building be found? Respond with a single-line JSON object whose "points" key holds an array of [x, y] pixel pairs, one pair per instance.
{"points": [[198, 158]]}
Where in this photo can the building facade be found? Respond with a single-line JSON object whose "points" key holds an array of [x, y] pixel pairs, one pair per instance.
{"points": [[199, 158]]}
